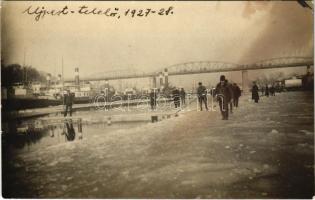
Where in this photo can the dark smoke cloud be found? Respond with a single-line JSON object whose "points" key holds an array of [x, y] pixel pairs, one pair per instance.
{"points": [[289, 31]]}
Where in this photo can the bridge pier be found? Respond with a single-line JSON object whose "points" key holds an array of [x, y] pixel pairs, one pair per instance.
{"points": [[154, 81], [245, 87], [166, 78]]}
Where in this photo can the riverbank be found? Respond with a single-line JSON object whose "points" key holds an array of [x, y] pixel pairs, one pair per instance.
{"points": [[59, 109]]}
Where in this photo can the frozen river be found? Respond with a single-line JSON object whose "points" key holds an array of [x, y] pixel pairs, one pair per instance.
{"points": [[264, 150]]}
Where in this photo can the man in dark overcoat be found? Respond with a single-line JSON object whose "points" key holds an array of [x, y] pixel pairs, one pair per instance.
{"points": [[68, 102], [255, 94], [224, 96]]}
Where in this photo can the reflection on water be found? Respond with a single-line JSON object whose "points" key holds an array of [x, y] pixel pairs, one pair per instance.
{"points": [[29, 135], [69, 131]]}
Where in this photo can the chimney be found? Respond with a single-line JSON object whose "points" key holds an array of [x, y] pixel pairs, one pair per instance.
{"points": [[161, 79], [48, 78], [76, 78]]}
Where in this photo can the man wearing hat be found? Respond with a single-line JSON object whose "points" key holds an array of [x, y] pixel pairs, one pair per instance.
{"points": [[153, 97], [182, 96], [236, 93], [68, 101], [202, 95], [224, 95], [255, 95]]}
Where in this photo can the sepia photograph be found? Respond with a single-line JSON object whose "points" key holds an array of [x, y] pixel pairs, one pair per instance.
{"points": [[157, 99]]}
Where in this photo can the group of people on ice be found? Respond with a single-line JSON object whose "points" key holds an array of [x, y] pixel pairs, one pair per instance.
{"points": [[264, 90], [227, 95], [178, 95]]}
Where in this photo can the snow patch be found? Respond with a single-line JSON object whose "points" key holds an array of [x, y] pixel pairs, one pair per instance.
{"points": [[53, 163], [65, 159], [306, 132]]}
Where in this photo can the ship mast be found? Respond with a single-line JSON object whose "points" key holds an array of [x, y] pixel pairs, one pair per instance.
{"points": [[63, 86]]}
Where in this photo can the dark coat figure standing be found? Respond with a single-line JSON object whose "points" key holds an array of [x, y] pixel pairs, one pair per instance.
{"points": [[183, 96], [224, 96], [202, 95], [68, 101], [237, 94], [153, 97], [267, 91], [176, 98], [272, 90], [255, 94]]}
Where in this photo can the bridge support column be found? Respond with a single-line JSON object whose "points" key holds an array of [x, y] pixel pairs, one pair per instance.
{"points": [[106, 84], [154, 81], [166, 78], [245, 87]]}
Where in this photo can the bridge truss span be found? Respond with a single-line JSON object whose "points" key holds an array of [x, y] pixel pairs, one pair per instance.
{"points": [[201, 67], [280, 62], [198, 67], [218, 66]]}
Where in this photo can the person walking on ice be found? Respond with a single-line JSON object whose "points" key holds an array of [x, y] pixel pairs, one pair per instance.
{"points": [[202, 95], [255, 94], [224, 95]]}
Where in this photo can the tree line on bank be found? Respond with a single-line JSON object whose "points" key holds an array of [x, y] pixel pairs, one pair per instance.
{"points": [[16, 74]]}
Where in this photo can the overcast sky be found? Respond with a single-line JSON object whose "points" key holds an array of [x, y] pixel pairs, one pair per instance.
{"points": [[236, 32]]}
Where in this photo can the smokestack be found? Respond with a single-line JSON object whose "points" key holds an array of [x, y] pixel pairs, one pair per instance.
{"points": [[161, 79], [76, 78], [48, 78], [59, 79]]}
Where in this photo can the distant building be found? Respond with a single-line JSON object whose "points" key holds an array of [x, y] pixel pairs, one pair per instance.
{"points": [[21, 91], [293, 84], [38, 88]]}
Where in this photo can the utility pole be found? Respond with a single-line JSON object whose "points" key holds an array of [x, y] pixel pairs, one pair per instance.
{"points": [[62, 73], [56, 76], [63, 99], [25, 70], [24, 58]]}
